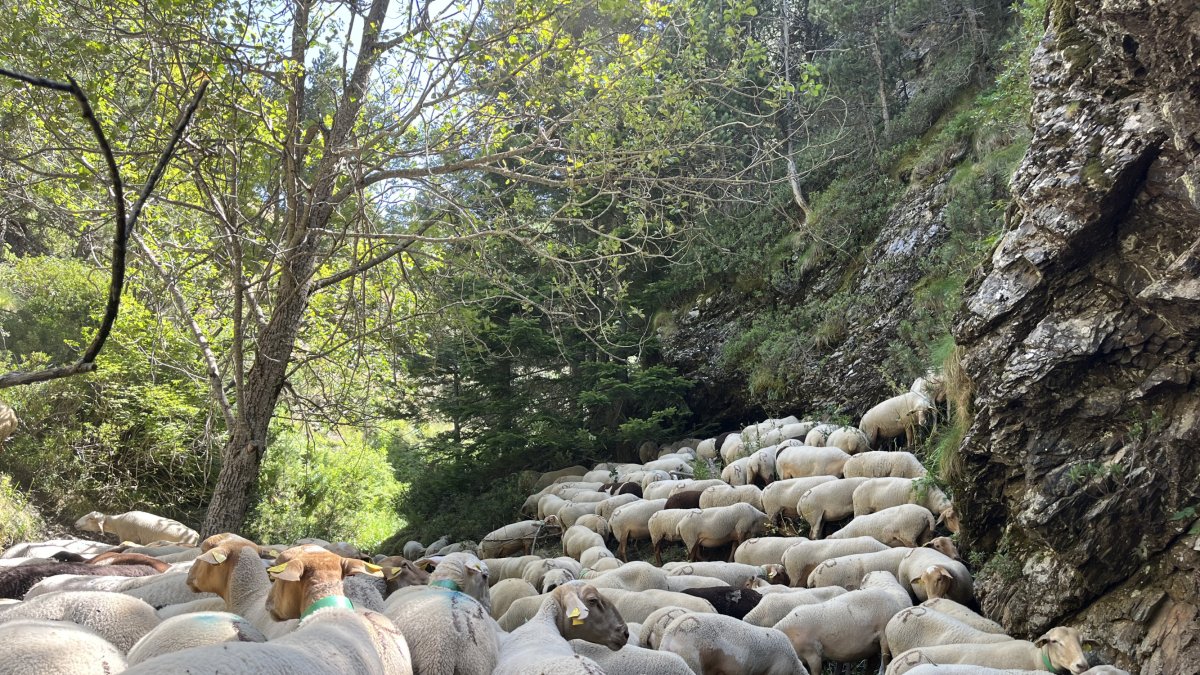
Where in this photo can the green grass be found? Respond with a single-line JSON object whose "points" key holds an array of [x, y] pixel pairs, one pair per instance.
{"points": [[19, 519]]}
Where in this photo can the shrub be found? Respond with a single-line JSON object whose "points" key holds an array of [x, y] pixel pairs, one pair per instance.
{"points": [[19, 520], [335, 487]]}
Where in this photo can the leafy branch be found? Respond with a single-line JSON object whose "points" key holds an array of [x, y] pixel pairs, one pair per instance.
{"points": [[125, 221]]}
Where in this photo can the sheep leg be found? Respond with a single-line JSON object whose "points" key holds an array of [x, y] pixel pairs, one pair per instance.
{"points": [[694, 553], [816, 525], [658, 552], [732, 548], [621, 549]]}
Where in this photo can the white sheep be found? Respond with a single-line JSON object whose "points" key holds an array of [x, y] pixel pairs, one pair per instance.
{"points": [[447, 631], [535, 572], [118, 618], [500, 569], [800, 560], [549, 505], [803, 461], [733, 574], [827, 502], [720, 526], [897, 416], [774, 606], [818, 436], [520, 536], [590, 557], [1060, 649], [45, 549], [633, 576], [637, 606], [8, 422], [508, 591], [962, 613], [664, 527], [656, 622], [780, 497], [707, 449], [663, 488], [731, 448], [684, 582], [573, 511], [847, 571], [608, 506], [632, 521], [139, 527], [928, 573], [736, 472], [797, 430], [573, 611], [924, 627], [850, 439], [905, 525], [36, 647], [883, 464], [193, 630], [413, 549], [694, 485], [714, 643], [329, 641], [848, 627], [729, 495], [632, 660], [595, 523], [605, 565], [760, 469], [876, 494], [577, 539], [765, 550]]}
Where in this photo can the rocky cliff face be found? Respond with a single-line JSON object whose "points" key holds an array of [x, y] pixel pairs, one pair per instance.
{"points": [[1082, 337]]}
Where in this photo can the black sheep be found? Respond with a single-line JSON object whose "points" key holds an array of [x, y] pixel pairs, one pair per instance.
{"points": [[689, 499], [727, 600]]}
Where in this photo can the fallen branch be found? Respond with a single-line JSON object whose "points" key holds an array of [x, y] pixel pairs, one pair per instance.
{"points": [[124, 223]]}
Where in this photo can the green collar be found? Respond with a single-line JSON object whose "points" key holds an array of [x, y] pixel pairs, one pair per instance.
{"points": [[446, 583], [327, 601], [1049, 666]]}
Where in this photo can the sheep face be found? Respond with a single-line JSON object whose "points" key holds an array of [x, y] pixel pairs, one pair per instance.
{"points": [[555, 578], [212, 571], [1063, 649], [950, 518], [400, 572], [936, 581], [945, 546], [305, 576], [588, 616], [92, 522]]}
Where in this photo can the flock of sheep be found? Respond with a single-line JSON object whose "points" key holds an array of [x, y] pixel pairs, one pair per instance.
{"points": [[884, 587]]}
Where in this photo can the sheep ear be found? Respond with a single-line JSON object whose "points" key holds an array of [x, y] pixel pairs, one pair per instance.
{"points": [[355, 566], [1041, 642], [289, 571], [576, 609], [392, 572], [213, 557], [940, 519]]}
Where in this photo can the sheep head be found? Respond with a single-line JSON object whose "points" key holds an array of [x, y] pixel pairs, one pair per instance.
{"points": [[213, 570], [469, 573], [304, 575], [399, 572], [587, 615], [945, 546], [92, 522], [1062, 649], [936, 580]]}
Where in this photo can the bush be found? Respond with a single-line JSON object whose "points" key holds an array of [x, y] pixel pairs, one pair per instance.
{"points": [[334, 487], [19, 520], [131, 435]]}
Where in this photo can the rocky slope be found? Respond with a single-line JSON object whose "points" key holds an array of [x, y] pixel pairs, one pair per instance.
{"points": [[1082, 336]]}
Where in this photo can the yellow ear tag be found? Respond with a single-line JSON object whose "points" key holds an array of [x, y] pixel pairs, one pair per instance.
{"points": [[219, 557], [372, 568], [277, 569], [575, 620]]}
